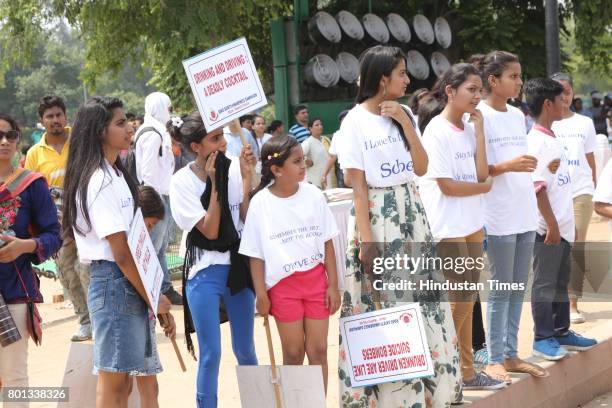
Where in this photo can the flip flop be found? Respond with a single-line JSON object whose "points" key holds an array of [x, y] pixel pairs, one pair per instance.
{"points": [[522, 366], [499, 376]]}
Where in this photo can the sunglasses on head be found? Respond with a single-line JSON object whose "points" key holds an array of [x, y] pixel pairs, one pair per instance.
{"points": [[11, 135]]}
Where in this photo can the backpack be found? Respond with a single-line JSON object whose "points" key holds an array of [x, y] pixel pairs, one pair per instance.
{"points": [[130, 160]]}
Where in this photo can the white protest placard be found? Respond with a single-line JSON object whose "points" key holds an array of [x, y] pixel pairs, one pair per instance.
{"points": [[145, 257], [386, 345], [225, 83]]}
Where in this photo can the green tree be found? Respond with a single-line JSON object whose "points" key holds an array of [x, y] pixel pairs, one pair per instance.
{"points": [[148, 33], [57, 63], [159, 34]]}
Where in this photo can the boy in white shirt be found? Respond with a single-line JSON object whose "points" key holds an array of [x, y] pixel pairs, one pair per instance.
{"points": [[577, 134], [556, 227]]}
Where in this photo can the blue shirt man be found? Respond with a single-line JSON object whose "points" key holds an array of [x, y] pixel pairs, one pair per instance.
{"points": [[300, 131]]}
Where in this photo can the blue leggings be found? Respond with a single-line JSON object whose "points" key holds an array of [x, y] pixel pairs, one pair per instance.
{"points": [[204, 292]]}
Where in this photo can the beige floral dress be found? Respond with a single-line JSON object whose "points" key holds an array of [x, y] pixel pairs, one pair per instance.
{"points": [[399, 226]]}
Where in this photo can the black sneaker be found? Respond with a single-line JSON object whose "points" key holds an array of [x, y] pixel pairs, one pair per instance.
{"points": [[174, 297], [459, 398], [482, 381]]}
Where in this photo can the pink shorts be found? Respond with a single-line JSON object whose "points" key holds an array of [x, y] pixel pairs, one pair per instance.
{"points": [[300, 295]]}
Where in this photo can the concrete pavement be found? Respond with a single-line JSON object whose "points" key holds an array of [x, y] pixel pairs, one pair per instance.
{"points": [[47, 363]]}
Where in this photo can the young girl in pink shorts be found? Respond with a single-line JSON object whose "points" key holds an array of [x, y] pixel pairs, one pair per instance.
{"points": [[288, 236]]}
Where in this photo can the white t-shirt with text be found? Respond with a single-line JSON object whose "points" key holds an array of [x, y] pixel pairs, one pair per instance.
{"points": [[373, 144], [288, 234], [110, 206], [577, 134], [510, 207], [186, 189], [547, 148], [452, 153]]}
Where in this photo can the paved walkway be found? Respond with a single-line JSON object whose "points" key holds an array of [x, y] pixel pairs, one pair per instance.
{"points": [[600, 402], [177, 389]]}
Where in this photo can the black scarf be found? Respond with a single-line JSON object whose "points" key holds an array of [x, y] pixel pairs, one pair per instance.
{"points": [[228, 240]]}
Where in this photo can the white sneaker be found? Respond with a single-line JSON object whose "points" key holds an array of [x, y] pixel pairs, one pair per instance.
{"points": [[576, 318], [84, 333]]}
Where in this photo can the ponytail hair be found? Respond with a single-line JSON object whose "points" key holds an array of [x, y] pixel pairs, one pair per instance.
{"points": [[275, 124], [274, 152], [187, 129], [493, 63], [453, 77]]}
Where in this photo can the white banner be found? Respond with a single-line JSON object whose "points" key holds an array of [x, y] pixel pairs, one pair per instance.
{"points": [[145, 257], [225, 83], [386, 345]]}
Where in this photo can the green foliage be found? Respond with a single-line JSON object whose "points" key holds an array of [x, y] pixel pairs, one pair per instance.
{"points": [[20, 23], [586, 76], [157, 35], [516, 26], [593, 33], [56, 66]]}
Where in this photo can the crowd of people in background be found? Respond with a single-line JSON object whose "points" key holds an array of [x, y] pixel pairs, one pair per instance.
{"points": [[479, 157]]}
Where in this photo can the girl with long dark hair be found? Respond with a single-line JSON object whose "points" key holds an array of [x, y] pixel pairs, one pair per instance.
{"points": [[381, 152], [209, 198], [452, 191], [100, 202]]}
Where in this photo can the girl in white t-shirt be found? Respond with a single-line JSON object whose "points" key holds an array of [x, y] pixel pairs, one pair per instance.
{"points": [[288, 236], [100, 200], [452, 190], [576, 133], [209, 199], [381, 153], [510, 211], [316, 155]]}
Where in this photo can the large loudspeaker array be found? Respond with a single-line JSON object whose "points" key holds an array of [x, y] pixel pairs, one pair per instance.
{"points": [[332, 44]]}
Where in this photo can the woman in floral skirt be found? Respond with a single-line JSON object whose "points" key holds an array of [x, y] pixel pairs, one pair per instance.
{"points": [[388, 219]]}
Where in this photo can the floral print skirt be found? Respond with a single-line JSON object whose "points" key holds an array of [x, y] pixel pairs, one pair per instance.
{"points": [[399, 226]]}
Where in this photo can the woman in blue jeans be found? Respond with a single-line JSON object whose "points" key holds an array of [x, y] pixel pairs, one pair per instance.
{"points": [[100, 202], [510, 211], [209, 197]]}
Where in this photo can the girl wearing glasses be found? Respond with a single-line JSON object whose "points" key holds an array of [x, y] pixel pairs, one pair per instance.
{"points": [[25, 206]]}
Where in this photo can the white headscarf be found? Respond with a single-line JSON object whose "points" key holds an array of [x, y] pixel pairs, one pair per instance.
{"points": [[156, 109]]}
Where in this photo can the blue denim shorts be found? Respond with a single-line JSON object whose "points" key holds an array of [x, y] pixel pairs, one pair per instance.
{"points": [[124, 337]]}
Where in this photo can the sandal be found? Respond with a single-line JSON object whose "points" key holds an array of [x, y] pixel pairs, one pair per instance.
{"points": [[516, 365], [498, 372]]}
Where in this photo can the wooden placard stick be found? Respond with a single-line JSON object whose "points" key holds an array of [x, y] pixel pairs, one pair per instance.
{"points": [[163, 320], [275, 379]]}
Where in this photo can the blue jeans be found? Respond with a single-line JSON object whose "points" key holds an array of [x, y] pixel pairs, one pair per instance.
{"points": [[204, 293], [159, 237], [120, 322], [510, 259]]}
